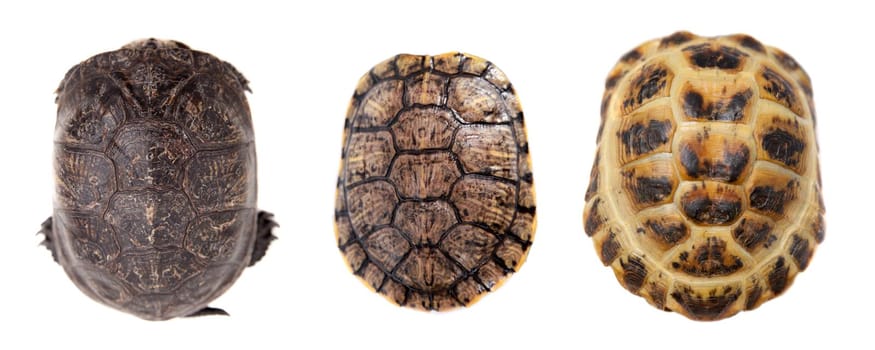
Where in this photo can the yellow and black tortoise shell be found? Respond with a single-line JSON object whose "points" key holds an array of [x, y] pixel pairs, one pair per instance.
{"points": [[705, 194]]}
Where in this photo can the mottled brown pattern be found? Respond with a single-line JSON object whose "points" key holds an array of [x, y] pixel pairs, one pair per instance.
{"points": [[706, 184], [485, 201], [387, 246], [469, 245], [369, 154], [476, 100], [424, 176], [442, 209], [424, 128], [488, 150], [155, 179], [380, 104], [424, 222]]}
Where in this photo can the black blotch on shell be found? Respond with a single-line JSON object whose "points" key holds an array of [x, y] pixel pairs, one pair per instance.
{"points": [[705, 210], [750, 233], [753, 296], [609, 249], [675, 39], [709, 260], [639, 139], [634, 273], [649, 190], [800, 251], [710, 307], [728, 169], [783, 147], [631, 56], [769, 199], [670, 232], [724, 57], [594, 220], [751, 43], [695, 107], [778, 276], [780, 88]]}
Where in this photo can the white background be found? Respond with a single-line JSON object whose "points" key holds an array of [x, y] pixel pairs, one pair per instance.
{"points": [[303, 62]]}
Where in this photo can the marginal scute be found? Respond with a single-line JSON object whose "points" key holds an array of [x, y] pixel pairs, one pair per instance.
{"points": [[634, 273], [704, 304], [610, 247]]}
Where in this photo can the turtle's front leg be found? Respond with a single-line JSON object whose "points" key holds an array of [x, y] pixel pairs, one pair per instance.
{"points": [[49, 241]]}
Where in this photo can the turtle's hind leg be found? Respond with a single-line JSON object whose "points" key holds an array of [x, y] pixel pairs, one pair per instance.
{"points": [[263, 236], [49, 240], [209, 311]]}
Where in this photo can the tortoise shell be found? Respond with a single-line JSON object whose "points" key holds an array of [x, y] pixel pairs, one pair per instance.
{"points": [[705, 194], [154, 209], [435, 200]]}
